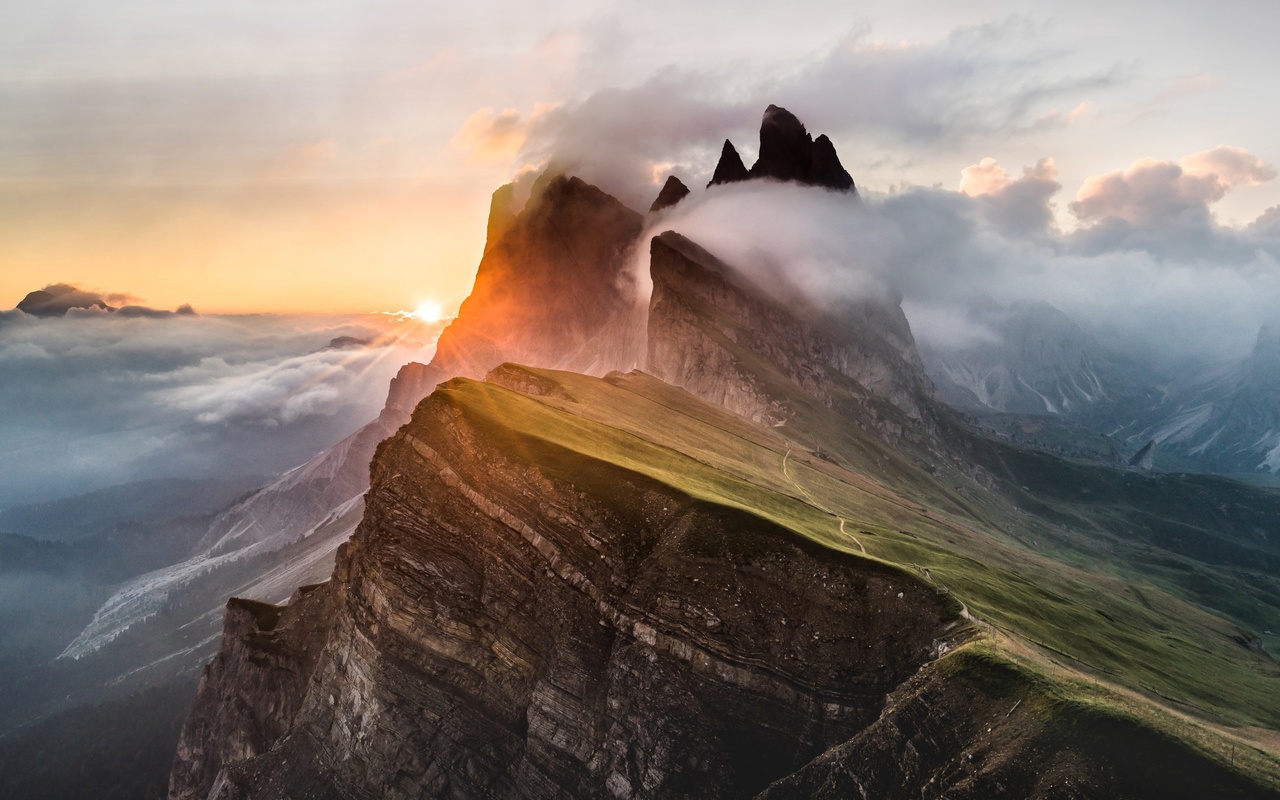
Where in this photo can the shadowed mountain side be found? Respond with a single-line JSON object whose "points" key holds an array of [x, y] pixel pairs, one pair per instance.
{"points": [[714, 334], [673, 191]]}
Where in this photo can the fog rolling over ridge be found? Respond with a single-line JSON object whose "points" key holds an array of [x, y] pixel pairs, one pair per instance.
{"points": [[1146, 261], [94, 399]]}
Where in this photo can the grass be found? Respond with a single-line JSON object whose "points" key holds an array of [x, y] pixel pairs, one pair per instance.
{"points": [[1054, 584]]}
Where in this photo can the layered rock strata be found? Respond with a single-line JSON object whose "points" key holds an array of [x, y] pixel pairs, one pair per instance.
{"points": [[713, 333], [518, 618]]}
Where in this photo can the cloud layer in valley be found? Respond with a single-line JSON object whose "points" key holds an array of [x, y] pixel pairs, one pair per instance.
{"points": [[94, 398]]}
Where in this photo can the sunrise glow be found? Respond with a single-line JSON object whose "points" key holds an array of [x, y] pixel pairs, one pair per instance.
{"points": [[428, 311]]}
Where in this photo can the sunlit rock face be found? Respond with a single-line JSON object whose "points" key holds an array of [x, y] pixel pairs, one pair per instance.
{"points": [[554, 289], [513, 619]]}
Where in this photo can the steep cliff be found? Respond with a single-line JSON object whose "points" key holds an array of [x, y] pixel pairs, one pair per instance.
{"points": [[711, 332], [251, 691], [566, 586], [528, 610]]}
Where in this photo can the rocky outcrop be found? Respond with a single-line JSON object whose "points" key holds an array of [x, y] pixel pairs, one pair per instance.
{"points": [[56, 300], [251, 691], [516, 617], [787, 153], [729, 169], [673, 191], [714, 334], [973, 728], [553, 289]]}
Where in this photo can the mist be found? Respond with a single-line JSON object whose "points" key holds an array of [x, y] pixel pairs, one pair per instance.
{"points": [[96, 399], [1141, 255]]}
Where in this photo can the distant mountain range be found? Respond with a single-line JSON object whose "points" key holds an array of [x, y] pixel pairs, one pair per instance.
{"points": [[1222, 418]]}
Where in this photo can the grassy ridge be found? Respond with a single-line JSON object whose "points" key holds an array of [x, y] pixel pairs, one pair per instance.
{"points": [[1036, 581]]}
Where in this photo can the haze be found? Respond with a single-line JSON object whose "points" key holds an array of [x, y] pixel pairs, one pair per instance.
{"points": [[338, 156]]}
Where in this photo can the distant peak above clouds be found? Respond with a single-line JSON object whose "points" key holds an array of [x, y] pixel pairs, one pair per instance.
{"points": [[56, 299]]}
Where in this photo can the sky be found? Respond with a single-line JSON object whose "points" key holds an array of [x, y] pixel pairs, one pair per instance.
{"points": [[338, 157]]}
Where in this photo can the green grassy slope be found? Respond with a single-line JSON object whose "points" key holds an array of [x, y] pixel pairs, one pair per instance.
{"points": [[1060, 587]]}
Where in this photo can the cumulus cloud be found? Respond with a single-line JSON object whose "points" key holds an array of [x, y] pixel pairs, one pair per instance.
{"points": [[1152, 192], [94, 399]]}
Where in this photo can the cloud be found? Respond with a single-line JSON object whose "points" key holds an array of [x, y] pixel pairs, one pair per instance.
{"points": [[489, 135], [1159, 193], [952, 256], [94, 399], [869, 95]]}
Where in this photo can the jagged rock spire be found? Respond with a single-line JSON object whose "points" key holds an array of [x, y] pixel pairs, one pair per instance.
{"points": [[730, 168], [673, 191], [787, 153]]}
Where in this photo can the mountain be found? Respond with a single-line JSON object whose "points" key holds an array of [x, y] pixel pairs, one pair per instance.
{"points": [[1053, 384], [1225, 420], [59, 298], [769, 565], [787, 153], [552, 289], [673, 191]]}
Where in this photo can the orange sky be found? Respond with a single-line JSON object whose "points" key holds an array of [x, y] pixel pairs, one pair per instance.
{"points": [[340, 156], [340, 248]]}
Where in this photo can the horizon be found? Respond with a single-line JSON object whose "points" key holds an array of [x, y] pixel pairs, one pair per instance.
{"points": [[345, 164]]}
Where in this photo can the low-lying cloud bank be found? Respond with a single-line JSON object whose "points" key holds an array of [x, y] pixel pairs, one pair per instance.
{"points": [[1144, 255], [94, 398]]}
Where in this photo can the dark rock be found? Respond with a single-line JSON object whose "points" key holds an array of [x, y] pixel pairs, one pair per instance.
{"points": [[251, 691], [516, 619], [673, 191], [714, 334], [1144, 458], [789, 153], [344, 342], [730, 168], [56, 300]]}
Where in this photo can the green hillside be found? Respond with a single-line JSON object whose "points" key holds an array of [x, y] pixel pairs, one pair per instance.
{"points": [[1074, 591]]}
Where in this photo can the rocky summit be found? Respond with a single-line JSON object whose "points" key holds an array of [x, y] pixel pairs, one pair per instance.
{"points": [[787, 153]]}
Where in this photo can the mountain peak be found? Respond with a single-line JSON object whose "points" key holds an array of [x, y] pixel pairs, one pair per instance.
{"points": [[57, 299], [673, 191], [789, 153], [730, 168]]}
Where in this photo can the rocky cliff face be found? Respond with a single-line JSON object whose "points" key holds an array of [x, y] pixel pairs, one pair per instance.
{"points": [[713, 334], [673, 191], [517, 619], [553, 289], [251, 691]]}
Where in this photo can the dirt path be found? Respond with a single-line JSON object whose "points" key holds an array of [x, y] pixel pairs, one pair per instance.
{"points": [[814, 501]]}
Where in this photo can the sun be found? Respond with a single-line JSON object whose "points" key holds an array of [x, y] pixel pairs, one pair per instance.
{"points": [[429, 311]]}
